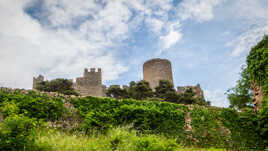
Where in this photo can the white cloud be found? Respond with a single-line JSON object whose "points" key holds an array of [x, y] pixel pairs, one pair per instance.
{"points": [[217, 97], [28, 48], [173, 36], [155, 25], [200, 10], [247, 40], [252, 19], [71, 35]]}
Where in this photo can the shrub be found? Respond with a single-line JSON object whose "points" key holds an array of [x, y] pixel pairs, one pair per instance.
{"points": [[244, 129], [32, 105], [17, 133], [207, 129], [146, 116]]}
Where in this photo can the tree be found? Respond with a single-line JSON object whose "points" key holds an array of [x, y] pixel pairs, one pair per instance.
{"points": [[63, 86], [241, 95], [166, 91], [254, 73], [115, 91], [187, 97], [140, 90]]}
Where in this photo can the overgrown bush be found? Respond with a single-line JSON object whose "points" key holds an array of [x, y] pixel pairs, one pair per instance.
{"points": [[146, 116], [17, 133], [207, 128], [31, 105], [244, 128]]}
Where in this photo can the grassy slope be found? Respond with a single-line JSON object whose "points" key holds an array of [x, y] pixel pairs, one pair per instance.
{"points": [[118, 139]]}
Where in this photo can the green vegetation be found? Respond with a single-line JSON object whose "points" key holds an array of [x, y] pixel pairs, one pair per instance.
{"points": [[17, 133], [117, 139], [63, 86], [241, 95], [256, 72], [146, 116], [163, 92], [212, 127], [31, 105]]}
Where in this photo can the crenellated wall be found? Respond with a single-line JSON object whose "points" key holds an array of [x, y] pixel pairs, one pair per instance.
{"points": [[90, 83]]}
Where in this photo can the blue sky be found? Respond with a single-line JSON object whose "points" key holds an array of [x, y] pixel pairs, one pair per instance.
{"points": [[206, 41]]}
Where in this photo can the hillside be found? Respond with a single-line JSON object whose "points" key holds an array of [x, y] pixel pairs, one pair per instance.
{"points": [[39, 120]]}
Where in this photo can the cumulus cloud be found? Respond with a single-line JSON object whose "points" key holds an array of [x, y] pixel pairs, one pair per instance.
{"points": [[247, 40], [58, 38], [200, 10], [253, 21], [216, 97], [173, 36], [29, 48]]}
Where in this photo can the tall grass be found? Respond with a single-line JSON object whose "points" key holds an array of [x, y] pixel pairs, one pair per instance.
{"points": [[117, 139]]}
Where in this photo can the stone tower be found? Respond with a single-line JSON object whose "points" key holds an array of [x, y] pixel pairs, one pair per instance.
{"points": [[157, 69], [90, 83], [36, 80]]}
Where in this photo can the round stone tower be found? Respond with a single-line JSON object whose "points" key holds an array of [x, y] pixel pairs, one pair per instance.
{"points": [[157, 69]]}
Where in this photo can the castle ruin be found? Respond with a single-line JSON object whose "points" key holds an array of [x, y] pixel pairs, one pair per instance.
{"points": [[153, 71], [160, 69], [36, 80], [157, 69], [90, 83]]}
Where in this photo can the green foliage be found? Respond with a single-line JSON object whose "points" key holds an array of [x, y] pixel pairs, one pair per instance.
{"points": [[207, 130], [152, 144], [9, 109], [31, 105], [116, 139], [263, 122], [226, 128], [244, 129], [188, 98], [146, 116], [117, 92], [241, 95], [257, 62], [140, 90], [63, 86], [166, 91], [17, 133]]}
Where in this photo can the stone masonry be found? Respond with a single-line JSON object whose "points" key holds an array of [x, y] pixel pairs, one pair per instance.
{"points": [[36, 80], [155, 70], [90, 83]]}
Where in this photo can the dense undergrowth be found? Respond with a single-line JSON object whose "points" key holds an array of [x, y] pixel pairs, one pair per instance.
{"points": [[150, 125], [116, 139]]}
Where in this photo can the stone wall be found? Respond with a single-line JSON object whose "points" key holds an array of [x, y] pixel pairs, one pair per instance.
{"points": [[155, 70], [196, 89], [90, 83], [36, 80]]}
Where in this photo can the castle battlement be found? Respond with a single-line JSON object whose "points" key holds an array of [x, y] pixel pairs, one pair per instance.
{"points": [[90, 83]]}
